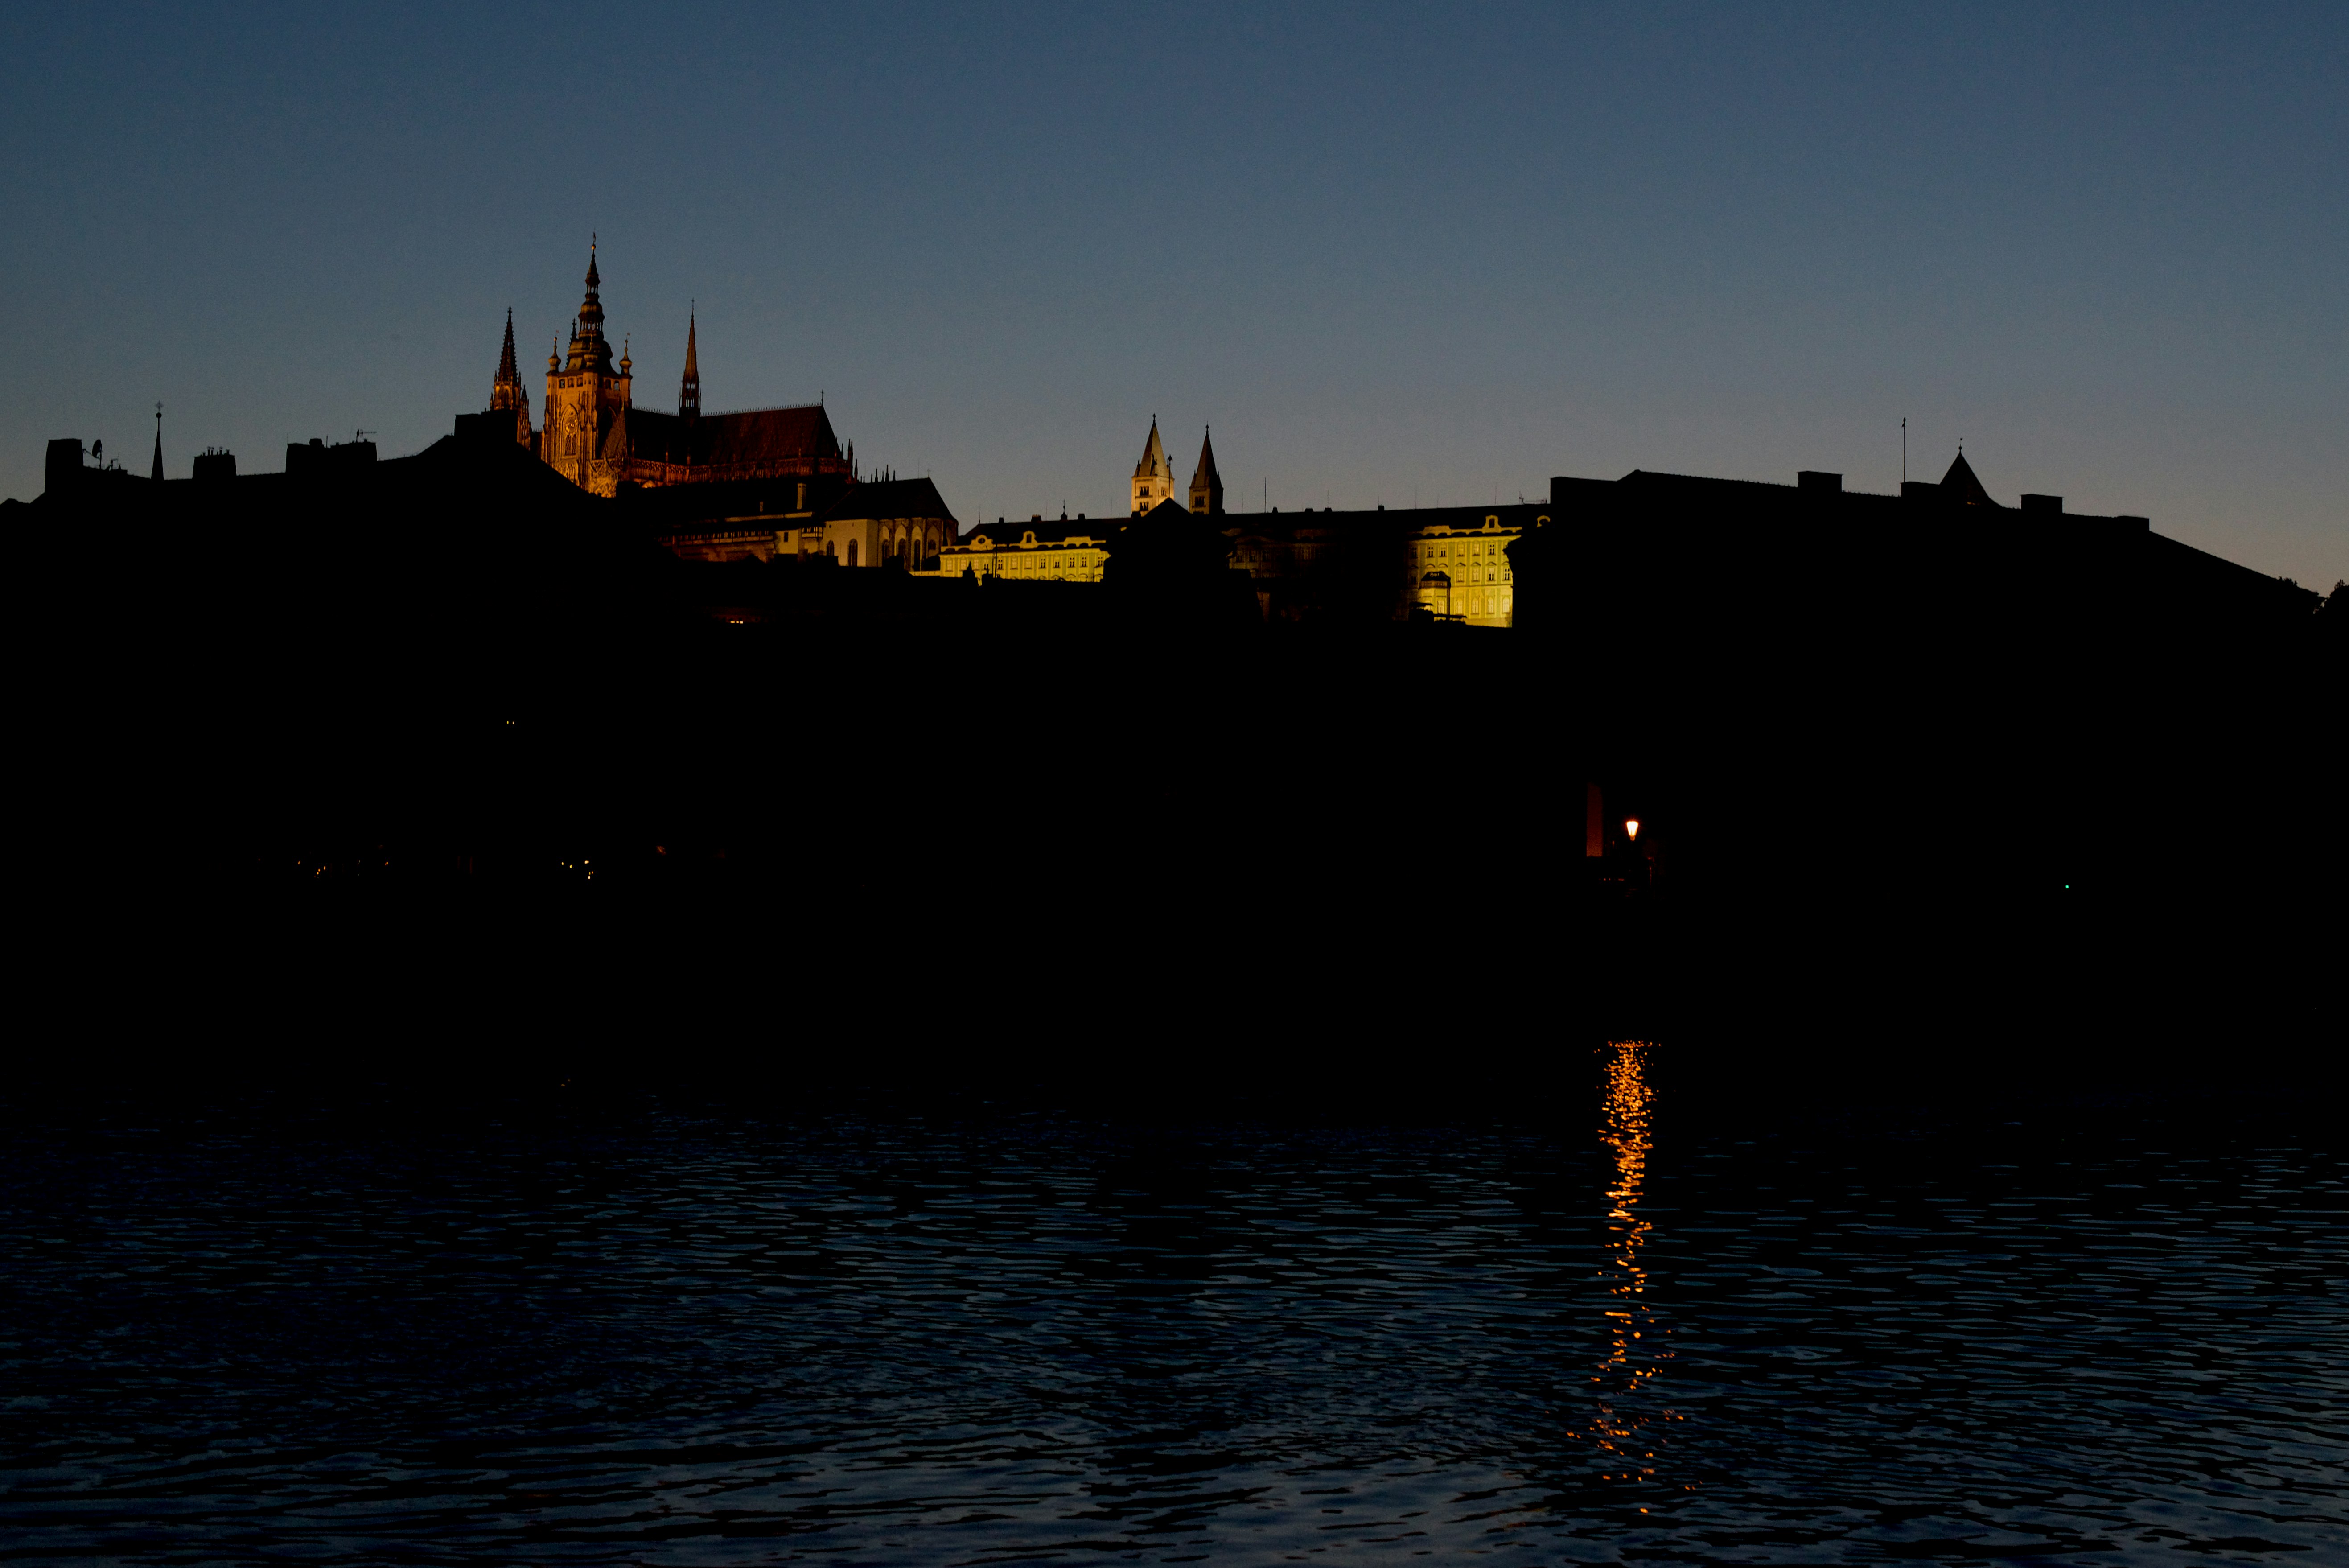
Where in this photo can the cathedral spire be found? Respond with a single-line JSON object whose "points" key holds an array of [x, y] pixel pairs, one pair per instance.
{"points": [[158, 474], [505, 392], [688, 396], [589, 352]]}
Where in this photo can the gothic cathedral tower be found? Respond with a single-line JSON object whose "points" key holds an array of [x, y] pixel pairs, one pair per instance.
{"points": [[507, 391], [1153, 481], [587, 401]]}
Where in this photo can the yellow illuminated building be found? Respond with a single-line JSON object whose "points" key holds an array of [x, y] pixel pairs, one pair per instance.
{"points": [[1460, 565], [1036, 550]]}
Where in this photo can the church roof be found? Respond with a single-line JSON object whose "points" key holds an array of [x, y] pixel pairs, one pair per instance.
{"points": [[748, 436], [889, 498], [1153, 457], [1961, 485], [1048, 531]]}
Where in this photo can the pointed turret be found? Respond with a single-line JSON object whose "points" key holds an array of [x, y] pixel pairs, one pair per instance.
{"points": [[1154, 481], [506, 394], [688, 396], [157, 474], [1961, 485], [506, 390], [1207, 485]]}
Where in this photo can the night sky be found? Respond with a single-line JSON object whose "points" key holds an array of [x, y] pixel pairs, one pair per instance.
{"points": [[1391, 254]]}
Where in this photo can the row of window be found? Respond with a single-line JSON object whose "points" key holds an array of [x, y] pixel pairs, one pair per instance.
{"points": [[1473, 548], [1467, 602]]}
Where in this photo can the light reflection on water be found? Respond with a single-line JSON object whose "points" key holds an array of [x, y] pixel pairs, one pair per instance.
{"points": [[889, 1339], [1635, 1350]]}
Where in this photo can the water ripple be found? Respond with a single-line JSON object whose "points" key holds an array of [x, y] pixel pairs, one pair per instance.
{"points": [[1032, 1338]]}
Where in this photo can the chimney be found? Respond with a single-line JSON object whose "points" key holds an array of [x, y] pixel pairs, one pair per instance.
{"points": [[63, 470]]}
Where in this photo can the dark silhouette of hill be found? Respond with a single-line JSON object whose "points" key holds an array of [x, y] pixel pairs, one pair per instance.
{"points": [[443, 738]]}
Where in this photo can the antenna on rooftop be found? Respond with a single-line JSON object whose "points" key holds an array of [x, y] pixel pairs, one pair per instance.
{"points": [[1904, 448]]}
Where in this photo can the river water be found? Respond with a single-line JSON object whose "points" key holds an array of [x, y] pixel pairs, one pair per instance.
{"points": [[2101, 1329]]}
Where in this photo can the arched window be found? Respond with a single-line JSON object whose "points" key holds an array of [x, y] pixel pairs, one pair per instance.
{"points": [[851, 552]]}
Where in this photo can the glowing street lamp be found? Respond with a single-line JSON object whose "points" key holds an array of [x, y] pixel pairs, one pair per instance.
{"points": [[1630, 827]]}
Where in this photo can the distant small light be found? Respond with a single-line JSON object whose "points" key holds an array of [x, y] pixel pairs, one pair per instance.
{"points": [[1631, 827]]}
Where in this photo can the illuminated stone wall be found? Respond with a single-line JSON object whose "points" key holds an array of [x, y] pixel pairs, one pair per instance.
{"points": [[586, 437]]}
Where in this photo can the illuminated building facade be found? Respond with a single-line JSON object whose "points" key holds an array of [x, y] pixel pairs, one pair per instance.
{"points": [[901, 524], [1459, 564], [597, 438], [1036, 550], [1446, 560]]}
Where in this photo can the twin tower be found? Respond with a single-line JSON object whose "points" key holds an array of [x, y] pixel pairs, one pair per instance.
{"points": [[1154, 478]]}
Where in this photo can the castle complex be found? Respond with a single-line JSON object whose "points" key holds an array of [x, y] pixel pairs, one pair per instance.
{"points": [[595, 436], [1449, 563]]}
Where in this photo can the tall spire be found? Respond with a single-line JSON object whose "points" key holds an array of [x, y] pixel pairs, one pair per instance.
{"points": [[1207, 485], [688, 396], [158, 474], [1154, 481], [589, 352], [506, 392]]}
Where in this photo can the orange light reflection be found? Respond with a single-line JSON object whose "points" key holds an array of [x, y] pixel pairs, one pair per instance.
{"points": [[1632, 1361]]}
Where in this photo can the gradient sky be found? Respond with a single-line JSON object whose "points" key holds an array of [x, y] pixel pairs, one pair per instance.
{"points": [[1391, 254]]}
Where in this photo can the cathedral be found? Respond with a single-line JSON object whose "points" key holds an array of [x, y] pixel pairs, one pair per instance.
{"points": [[595, 436]]}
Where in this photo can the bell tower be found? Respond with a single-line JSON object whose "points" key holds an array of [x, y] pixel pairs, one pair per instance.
{"points": [[688, 392], [1207, 485], [587, 400], [1154, 481]]}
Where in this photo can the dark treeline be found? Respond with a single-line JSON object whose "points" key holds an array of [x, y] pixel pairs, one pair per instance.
{"points": [[447, 752]]}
